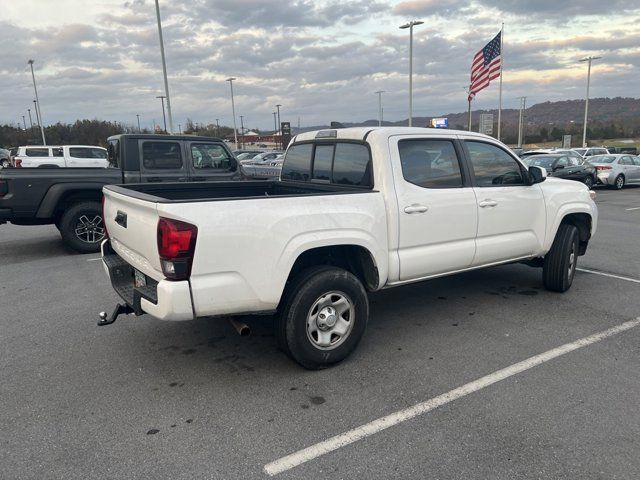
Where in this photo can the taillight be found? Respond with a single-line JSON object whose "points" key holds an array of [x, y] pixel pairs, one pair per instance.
{"points": [[4, 188], [603, 167], [176, 246], [17, 163], [104, 218]]}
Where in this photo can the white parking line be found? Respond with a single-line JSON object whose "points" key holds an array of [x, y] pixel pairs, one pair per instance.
{"points": [[334, 443], [94, 259], [610, 275], [634, 208]]}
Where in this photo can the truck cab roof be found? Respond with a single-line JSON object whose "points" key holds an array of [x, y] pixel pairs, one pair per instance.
{"points": [[361, 133], [152, 136]]}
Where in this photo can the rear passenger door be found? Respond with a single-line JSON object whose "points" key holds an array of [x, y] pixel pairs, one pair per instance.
{"points": [[162, 161], [437, 211], [631, 172], [511, 213], [209, 161]]}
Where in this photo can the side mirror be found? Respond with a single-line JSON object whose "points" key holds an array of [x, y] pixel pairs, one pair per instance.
{"points": [[537, 175]]}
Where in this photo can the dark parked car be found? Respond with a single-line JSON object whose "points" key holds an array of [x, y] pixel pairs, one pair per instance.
{"points": [[71, 198], [564, 166]]}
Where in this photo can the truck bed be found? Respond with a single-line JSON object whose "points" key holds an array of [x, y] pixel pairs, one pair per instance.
{"points": [[206, 191]]}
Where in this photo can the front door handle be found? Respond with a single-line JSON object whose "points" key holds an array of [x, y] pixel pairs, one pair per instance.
{"points": [[415, 208], [487, 203]]}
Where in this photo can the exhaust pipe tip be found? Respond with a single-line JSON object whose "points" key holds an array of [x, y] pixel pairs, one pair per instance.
{"points": [[242, 328]]}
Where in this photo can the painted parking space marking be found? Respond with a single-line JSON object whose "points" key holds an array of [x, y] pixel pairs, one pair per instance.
{"points": [[94, 259], [633, 208], [610, 275], [334, 443]]}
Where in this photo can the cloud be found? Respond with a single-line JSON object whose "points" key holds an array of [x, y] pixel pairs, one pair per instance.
{"points": [[428, 7]]}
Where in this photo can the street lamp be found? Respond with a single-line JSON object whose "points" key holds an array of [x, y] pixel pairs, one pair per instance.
{"points": [[30, 120], [164, 72], [410, 26], [37, 102], [233, 111], [180, 128], [164, 119], [380, 92], [217, 128], [586, 103], [242, 131], [279, 127], [138, 116]]}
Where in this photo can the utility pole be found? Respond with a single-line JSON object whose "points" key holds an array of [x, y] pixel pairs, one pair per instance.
{"points": [[30, 121], [380, 92], [586, 104], [164, 72], [25, 123], [523, 106], [233, 110], [242, 131], [138, 115], [37, 102], [280, 127], [180, 128], [164, 119], [217, 128], [410, 26]]}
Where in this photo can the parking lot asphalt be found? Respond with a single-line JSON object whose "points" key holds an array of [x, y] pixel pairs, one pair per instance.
{"points": [[144, 398]]}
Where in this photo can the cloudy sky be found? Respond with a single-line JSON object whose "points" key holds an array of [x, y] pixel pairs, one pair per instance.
{"points": [[322, 60]]}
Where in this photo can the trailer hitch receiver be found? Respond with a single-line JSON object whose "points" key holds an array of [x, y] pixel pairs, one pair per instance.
{"points": [[119, 310]]}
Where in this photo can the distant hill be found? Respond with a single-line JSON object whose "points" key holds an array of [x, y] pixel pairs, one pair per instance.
{"points": [[603, 110]]}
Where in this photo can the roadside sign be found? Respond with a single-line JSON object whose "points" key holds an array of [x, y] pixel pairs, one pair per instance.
{"points": [[566, 141], [486, 123]]}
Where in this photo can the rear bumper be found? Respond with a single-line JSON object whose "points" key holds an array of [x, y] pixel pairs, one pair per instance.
{"points": [[164, 300]]}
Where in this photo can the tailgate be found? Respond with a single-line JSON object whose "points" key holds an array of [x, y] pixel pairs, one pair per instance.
{"points": [[132, 226]]}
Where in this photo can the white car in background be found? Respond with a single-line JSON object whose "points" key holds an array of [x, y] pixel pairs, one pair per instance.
{"points": [[5, 158], [69, 156], [590, 152], [616, 170]]}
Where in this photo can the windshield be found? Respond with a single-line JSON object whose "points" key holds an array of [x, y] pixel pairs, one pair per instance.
{"points": [[580, 151], [602, 159], [246, 155], [543, 161]]}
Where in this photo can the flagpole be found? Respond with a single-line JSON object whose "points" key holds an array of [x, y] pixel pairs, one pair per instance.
{"points": [[501, 70]]}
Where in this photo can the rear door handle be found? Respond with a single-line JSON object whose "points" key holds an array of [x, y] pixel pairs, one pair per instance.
{"points": [[487, 203], [415, 208]]}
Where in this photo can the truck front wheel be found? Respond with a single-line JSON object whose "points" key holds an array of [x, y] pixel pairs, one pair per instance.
{"points": [[82, 227], [322, 317], [560, 262]]}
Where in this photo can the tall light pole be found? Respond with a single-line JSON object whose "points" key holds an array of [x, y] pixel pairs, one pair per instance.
{"points": [[38, 109], [35, 106], [523, 106], [25, 123], [217, 128], [586, 103], [380, 92], [138, 117], [242, 130], [180, 128], [30, 120], [164, 119], [410, 26], [280, 126], [164, 72], [233, 111]]}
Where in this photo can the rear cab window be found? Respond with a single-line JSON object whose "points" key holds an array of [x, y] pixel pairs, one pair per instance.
{"points": [[161, 155], [334, 162], [113, 153], [36, 152]]}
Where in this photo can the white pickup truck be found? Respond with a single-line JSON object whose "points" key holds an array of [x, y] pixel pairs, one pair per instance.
{"points": [[355, 210]]}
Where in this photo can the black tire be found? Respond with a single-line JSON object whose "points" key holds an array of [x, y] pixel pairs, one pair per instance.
{"points": [[560, 262], [70, 227], [618, 182], [588, 181], [303, 294]]}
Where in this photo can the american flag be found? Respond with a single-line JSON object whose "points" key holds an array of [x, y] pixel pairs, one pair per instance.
{"points": [[486, 66]]}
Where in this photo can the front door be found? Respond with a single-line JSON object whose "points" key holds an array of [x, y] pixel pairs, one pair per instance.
{"points": [[511, 213], [437, 207]]}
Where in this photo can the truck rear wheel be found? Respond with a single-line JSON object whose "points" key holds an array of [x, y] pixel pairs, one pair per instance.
{"points": [[82, 227], [560, 262], [322, 317]]}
